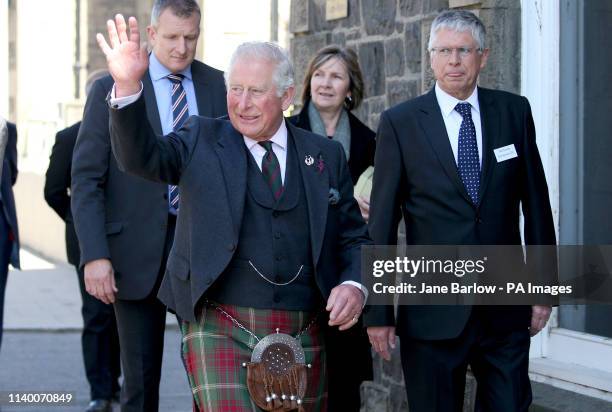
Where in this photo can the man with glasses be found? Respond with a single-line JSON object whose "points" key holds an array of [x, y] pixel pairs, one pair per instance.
{"points": [[438, 165]]}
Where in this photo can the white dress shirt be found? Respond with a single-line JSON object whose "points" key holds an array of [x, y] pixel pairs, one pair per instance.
{"points": [[452, 118], [279, 147]]}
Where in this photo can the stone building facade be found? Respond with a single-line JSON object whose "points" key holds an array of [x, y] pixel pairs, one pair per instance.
{"points": [[390, 38]]}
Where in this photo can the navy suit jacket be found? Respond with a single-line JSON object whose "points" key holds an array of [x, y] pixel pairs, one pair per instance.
{"points": [[9, 177], [57, 185], [208, 159], [416, 177], [118, 216]]}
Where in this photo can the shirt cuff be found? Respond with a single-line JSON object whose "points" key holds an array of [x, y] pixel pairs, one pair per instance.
{"points": [[121, 102], [358, 286]]}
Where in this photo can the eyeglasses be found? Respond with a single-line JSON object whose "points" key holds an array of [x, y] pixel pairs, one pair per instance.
{"points": [[463, 52]]}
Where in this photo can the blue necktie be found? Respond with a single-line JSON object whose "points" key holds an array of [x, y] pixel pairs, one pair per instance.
{"points": [[180, 113], [468, 162]]}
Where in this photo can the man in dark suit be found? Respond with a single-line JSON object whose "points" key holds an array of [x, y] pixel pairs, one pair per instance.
{"points": [[439, 164], [125, 224], [9, 232], [99, 339], [269, 231]]}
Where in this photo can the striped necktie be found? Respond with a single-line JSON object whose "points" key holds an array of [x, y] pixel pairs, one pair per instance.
{"points": [[180, 113], [270, 167], [468, 162]]}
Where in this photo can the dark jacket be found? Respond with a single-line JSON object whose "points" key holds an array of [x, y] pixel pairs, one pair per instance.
{"points": [[57, 185], [417, 178], [208, 159], [9, 177], [119, 216], [363, 141]]}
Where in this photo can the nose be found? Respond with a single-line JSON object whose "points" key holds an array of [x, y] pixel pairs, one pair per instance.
{"points": [[181, 45], [454, 58], [244, 101]]}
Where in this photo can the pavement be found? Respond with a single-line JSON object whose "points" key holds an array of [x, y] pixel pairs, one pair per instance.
{"points": [[41, 345]]}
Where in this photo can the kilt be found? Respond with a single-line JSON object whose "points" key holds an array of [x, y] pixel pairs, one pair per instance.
{"points": [[214, 348]]}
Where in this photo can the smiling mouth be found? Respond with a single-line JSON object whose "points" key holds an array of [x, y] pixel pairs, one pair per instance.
{"points": [[248, 118]]}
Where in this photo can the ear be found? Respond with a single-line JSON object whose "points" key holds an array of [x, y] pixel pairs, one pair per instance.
{"points": [[287, 98], [151, 34], [484, 57]]}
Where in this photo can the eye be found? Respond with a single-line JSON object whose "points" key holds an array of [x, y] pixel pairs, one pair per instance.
{"points": [[257, 92], [237, 90]]}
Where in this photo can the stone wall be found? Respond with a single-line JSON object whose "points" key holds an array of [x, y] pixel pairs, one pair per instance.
{"points": [[390, 38]]}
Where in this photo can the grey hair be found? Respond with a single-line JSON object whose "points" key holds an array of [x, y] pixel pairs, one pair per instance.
{"points": [[180, 8], [93, 76], [261, 50], [460, 21]]}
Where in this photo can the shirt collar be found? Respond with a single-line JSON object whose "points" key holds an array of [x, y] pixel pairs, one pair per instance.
{"points": [[447, 102], [158, 71], [279, 138]]}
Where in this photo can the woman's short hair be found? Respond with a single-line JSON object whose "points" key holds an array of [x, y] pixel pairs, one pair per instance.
{"points": [[351, 62]]}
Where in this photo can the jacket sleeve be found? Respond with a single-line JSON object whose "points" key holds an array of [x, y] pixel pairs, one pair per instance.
{"points": [[353, 234], [141, 152], [90, 165], [57, 178], [386, 199]]}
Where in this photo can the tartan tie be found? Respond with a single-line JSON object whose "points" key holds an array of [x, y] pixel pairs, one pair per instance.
{"points": [[271, 170], [468, 162], [180, 113]]}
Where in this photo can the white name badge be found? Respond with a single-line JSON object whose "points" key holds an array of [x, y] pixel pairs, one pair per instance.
{"points": [[505, 153]]}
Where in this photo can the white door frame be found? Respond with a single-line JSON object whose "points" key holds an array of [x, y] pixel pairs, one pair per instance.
{"points": [[572, 360]]}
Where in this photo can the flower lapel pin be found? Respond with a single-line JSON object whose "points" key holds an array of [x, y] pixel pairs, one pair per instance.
{"points": [[320, 164]]}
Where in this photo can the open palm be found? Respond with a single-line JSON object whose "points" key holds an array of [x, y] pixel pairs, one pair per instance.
{"points": [[127, 59]]}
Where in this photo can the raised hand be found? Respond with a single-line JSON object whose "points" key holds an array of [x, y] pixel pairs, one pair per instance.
{"points": [[127, 59]]}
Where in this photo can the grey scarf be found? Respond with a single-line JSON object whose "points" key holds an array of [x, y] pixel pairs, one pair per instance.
{"points": [[343, 129]]}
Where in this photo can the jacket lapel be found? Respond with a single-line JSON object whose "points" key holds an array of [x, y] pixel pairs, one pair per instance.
{"points": [[203, 98], [490, 121], [432, 124], [316, 186], [232, 155], [151, 104]]}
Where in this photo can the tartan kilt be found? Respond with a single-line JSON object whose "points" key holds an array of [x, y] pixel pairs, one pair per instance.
{"points": [[214, 348]]}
